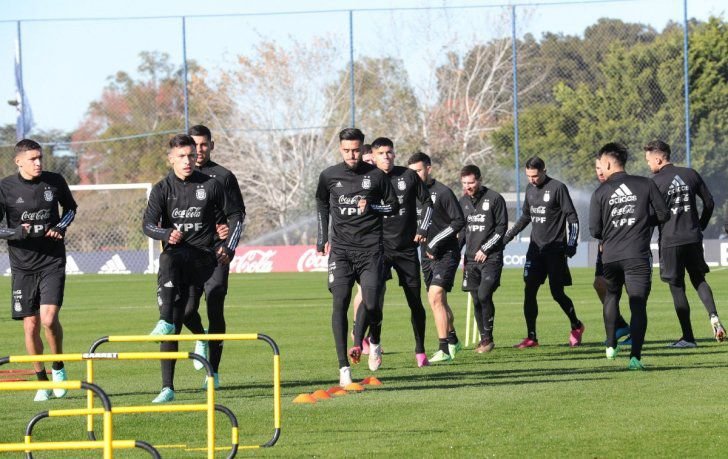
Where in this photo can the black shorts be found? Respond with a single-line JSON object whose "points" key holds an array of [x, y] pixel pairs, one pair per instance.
{"points": [[218, 279], [349, 266], [552, 264], [675, 260], [441, 271], [599, 269], [187, 269], [30, 290], [635, 274], [406, 263], [474, 273]]}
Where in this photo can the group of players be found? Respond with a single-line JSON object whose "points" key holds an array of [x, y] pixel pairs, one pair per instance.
{"points": [[374, 216]]}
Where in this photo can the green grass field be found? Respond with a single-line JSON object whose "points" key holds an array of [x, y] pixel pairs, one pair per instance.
{"points": [[553, 401]]}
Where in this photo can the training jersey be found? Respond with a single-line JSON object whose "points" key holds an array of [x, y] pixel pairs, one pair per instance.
{"points": [[35, 202], [447, 220], [400, 228], [338, 194], [549, 209], [486, 218], [190, 206], [622, 212], [679, 186], [232, 192]]}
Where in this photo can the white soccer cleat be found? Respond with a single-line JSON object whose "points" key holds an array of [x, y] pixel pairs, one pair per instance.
{"points": [[59, 375], [203, 350], [43, 395], [375, 356], [345, 376], [611, 353]]}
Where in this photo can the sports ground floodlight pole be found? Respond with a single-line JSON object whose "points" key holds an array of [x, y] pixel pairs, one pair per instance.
{"points": [[184, 72], [351, 67], [514, 52], [686, 82]]}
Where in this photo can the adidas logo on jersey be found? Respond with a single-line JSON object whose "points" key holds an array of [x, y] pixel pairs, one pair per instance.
{"points": [[677, 186], [20, 200], [339, 185], [114, 266], [622, 195]]}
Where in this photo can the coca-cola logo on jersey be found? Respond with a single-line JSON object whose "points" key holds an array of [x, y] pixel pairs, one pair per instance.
{"points": [[310, 261], [192, 212], [42, 214], [352, 200], [253, 261]]}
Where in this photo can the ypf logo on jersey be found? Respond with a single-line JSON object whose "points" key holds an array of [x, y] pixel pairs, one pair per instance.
{"points": [[366, 183], [547, 196], [486, 204], [48, 195], [200, 194]]}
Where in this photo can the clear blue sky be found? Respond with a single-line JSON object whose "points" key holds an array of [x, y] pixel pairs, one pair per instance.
{"points": [[66, 63]]}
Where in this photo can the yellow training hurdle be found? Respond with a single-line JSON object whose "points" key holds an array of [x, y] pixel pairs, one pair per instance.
{"points": [[108, 444]]}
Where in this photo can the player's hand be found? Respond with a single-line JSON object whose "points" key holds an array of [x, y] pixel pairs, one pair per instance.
{"points": [[325, 251], [53, 234], [222, 231], [362, 206], [570, 250], [222, 256], [420, 239], [480, 257], [175, 237]]}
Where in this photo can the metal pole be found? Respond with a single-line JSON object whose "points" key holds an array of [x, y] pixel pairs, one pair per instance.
{"points": [[351, 67], [515, 112], [20, 128], [184, 67], [686, 78]]}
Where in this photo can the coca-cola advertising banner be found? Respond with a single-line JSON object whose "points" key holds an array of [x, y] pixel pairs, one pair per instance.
{"points": [[277, 259]]}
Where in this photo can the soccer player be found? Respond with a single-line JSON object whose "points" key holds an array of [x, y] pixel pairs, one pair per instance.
{"points": [[182, 212], [440, 255], [600, 283], [217, 285], [554, 234], [35, 232], [354, 195], [622, 212], [681, 238], [402, 234], [486, 219]]}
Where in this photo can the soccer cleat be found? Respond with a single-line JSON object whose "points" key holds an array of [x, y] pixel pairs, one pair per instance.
{"points": [[718, 330], [375, 357], [527, 342], [162, 328], [59, 375], [422, 360], [485, 345], [635, 364], [166, 395], [440, 356], [355, 354], [365, 345], [620, 332], [43, 395], [202, 349], [345, 376], [612, 352], [575, 336], [216, 378], [454, 349], [683, 344]]}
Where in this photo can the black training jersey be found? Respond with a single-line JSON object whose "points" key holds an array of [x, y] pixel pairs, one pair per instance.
{"points": [[191, 207], [679, 186], [549, 208], [486, 219], [232, 192], [621, 216], [447, 220], [35, 202], [338, 194], [400, 228]]}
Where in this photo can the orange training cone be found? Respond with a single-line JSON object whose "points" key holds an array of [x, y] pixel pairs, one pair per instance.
{"points": [[336, 391], [304, 398], [354, 387], [321, 395], [372, 381]]}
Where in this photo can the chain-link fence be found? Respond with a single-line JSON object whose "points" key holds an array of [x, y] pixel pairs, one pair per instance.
{"points": [[489, 85]]}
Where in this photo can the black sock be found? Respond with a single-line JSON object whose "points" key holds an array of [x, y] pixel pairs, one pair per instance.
{"points": [[41, 375], [58, 365], [443, 346], [576, 325], [532, 335], [452, 337]]}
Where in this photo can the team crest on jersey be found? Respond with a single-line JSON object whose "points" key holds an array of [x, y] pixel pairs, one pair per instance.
{"points": [[401, 185], [366, 183], [433, 197], [200, 194], [486, 204], [48, 195], [547, 196]]}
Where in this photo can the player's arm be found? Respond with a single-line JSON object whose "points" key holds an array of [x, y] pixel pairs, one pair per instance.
{"points": [[500, 217], [153, 215], [521, 223], [462, 235], [21, 232], [572, 221], [390, 203], [322, 214], [596, 225], [457, 222], [69, 206], [662, 213], [234, 215], [423, 197], [708, 203]]}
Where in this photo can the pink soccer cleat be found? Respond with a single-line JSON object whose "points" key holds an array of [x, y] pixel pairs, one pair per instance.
{"points": [[422, 360], [527, 342], [575, 336]]}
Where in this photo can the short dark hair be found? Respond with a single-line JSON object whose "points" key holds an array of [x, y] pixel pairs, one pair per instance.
{"points": [[534, 162], [470, 169], [27, 145], [382, 142], [351, 134], [200, 130], [615, 150], [419, 157], [366, 149], [658, 146], [182, 140]]}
